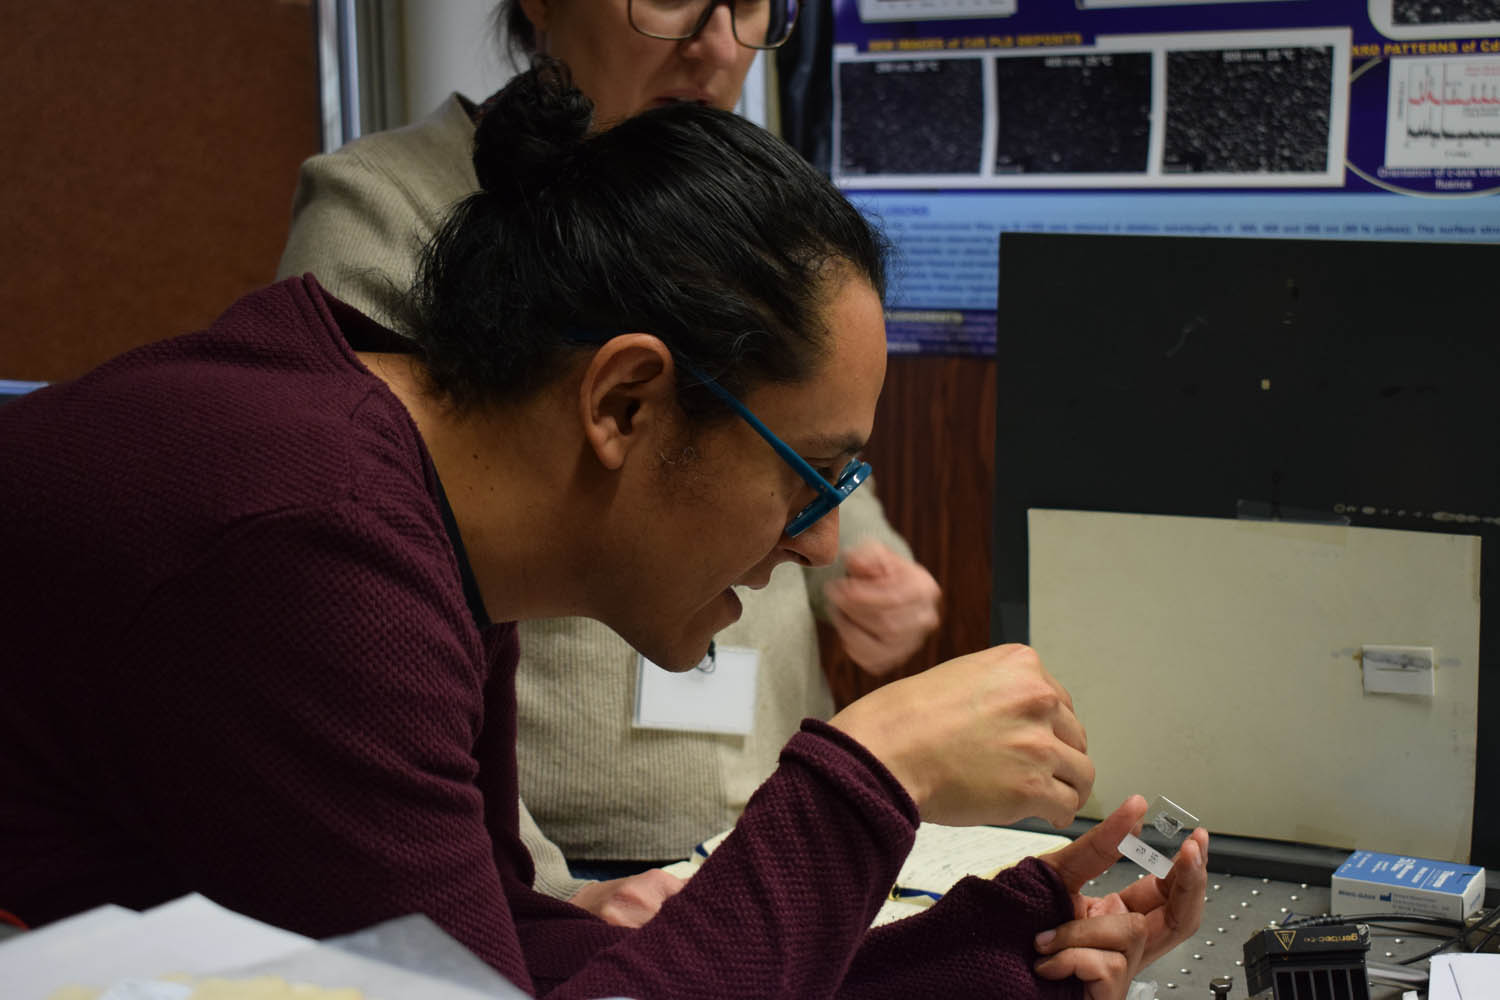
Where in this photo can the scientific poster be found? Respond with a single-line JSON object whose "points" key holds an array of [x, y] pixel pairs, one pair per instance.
{"points": [[955, 120]]}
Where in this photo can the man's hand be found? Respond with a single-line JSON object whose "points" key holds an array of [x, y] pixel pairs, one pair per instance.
{"points": [[884, 607], [629, 901], [986, 738], [1114, 937]]}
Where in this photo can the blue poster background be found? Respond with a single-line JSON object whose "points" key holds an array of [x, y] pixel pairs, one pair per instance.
{"points": [[943, 293]]}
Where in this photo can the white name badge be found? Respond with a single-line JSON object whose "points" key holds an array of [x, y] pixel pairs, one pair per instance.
{"points": [[716, 696]]}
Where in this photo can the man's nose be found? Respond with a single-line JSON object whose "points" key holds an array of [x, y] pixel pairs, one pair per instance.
{"points": [[819, 544]]}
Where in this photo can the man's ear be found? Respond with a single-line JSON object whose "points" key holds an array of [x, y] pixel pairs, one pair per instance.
{"points": [[628, 391]]}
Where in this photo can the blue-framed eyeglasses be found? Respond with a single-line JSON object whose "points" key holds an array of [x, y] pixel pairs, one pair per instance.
{"points": [[829, 495]]}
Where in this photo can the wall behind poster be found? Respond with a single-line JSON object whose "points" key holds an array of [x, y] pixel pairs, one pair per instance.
{"points": [[955, 120]]}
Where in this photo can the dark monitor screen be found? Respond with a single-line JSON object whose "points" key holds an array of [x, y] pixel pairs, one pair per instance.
{"points": [[1348, 382]]}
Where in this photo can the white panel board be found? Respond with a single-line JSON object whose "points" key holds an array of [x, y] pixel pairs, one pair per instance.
{"points": [[1217, 662]]}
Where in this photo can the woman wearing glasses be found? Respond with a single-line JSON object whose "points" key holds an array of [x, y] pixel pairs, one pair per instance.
{"points": [[595, 783], [292, 532]]}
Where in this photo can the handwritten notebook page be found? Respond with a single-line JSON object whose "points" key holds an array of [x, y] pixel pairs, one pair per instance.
{"points": [[940, 857]]}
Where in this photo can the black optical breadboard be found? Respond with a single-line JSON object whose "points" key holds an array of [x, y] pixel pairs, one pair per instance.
{"points": [[1308, 963]]}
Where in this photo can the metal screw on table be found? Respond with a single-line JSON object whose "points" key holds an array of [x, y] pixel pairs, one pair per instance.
{"points": [[1220, 986]]}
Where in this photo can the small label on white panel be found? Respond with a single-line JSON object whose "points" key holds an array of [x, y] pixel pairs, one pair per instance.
{"points": [[1145, 855], [717, 696], [1399, 670]]}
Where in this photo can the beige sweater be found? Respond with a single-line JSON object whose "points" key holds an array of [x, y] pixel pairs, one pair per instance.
{"points": [[600, 788]]}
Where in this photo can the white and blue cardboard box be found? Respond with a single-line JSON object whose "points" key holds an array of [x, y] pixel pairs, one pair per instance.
{"points": [[1369, 882]]}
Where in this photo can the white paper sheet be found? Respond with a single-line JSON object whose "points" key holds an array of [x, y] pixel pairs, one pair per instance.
{"points": [[939, 857], [118, 954], [95, 949], [1464, 977]]}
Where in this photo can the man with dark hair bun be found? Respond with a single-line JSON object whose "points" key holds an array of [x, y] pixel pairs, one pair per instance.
{"points": [[294, 534], [595, 782]]}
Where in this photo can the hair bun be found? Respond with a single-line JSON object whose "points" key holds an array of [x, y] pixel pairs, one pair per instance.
{"points": [[528, 130]]}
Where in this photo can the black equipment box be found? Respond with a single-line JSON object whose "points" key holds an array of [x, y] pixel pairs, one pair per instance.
{"points": [[1308, 963]]}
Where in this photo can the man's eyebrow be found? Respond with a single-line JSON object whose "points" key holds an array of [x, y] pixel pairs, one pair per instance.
{"points": [[831, 446]]}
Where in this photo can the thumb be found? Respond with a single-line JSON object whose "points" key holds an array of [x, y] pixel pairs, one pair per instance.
{"points": [[1091, 854], [867, 559]]}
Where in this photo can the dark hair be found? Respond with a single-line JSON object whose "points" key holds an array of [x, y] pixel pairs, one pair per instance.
{"points": [[685, 222], [519, 32]]}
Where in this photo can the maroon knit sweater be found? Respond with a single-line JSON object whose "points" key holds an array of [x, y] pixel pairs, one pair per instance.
{"points": [[238, 657]]}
